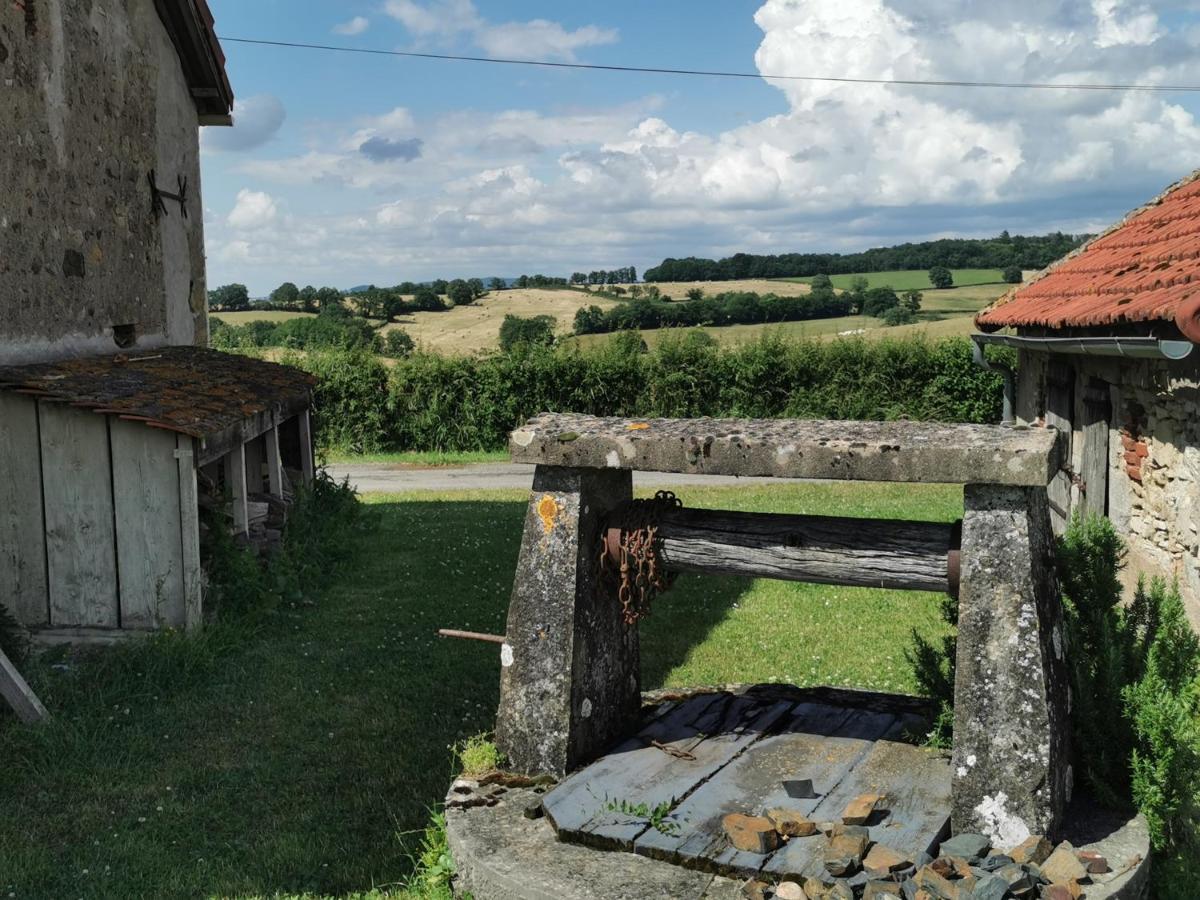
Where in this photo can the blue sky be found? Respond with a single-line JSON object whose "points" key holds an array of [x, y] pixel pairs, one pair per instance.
{"points": [[346, 169]]}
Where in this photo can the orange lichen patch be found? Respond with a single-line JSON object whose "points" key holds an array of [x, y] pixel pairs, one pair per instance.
{"points": [[548, 510], [1145, 269], [637, 426]]}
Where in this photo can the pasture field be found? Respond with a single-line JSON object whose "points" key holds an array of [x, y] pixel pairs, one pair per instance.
{"points": [[677, 290], [250, 315], [908, 280]]}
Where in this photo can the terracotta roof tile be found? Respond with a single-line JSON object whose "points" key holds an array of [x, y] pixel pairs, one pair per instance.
{"points": [[1145, 269]]}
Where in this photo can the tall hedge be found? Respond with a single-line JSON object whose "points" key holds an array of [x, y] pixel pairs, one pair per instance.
{"points": [[431, 402]]}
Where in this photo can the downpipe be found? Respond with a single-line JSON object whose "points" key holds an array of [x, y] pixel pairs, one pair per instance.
{"points": [[1006, 372]]}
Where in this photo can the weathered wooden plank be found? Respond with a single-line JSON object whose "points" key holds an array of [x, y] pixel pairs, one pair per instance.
{"points": [[80, 540], [149, 547], [818, 742], [23, 587], [307, 467], [821, 549], [189, 531], [913, 815], [20, 697], [790, 448], [663, 764], [235, 481], [275, 481], [256, 457], [1093, 466]]}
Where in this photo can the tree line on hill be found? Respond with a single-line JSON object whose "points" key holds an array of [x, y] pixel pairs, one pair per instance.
{"points": [[1002, 252], [624, 275], [657, 310]]}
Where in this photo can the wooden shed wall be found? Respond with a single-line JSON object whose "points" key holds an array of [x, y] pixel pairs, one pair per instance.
{"points": [[97, 520]]}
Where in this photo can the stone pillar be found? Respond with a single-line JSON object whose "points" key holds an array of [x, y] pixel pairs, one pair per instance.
{"points": [[1011, 736], [570, 683]]}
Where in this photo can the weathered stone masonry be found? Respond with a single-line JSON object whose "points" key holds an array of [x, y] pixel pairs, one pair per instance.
{"points": [[1152, 492], [93, 97]]}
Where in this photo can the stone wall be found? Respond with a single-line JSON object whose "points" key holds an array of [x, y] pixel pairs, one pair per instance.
{"points": [[93, 97], [1153, 452]]}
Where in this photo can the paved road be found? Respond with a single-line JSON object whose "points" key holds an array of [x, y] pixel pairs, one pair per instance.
{"points": [[390, 478]]}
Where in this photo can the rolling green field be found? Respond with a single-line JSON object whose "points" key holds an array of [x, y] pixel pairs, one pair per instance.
{"points": [[905, 280], [266, 315]]}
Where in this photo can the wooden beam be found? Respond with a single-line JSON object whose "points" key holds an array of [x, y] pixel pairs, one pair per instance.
{"points": [[875, 553], [306, 445], [235, 477], [19, 695], [274, 463], [189, 529]]}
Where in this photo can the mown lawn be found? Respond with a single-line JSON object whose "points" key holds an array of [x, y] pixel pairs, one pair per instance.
{"points": [[303, 758]]}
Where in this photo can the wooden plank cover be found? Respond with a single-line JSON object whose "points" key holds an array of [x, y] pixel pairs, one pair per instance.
{"points": [[149, 546], [189, 527], [22, 530], [704, 735], [80, 542]]}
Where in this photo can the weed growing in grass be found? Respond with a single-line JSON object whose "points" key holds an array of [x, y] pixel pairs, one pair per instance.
{"points": [[478, 755], [433, 867]]}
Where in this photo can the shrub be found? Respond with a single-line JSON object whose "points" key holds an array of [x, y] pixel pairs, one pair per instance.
{"points": [[397, 343], [1013, 275], [529, 331], [350, 400], [899, 315]]}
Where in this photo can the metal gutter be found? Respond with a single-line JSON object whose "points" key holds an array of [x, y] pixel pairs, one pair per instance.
{"points": [[981, 360], [1128, 347]]}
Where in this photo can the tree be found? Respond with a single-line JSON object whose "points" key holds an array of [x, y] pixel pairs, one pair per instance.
{"points": [[231, 297], [477, 288], [695, 294], [533, 331], [898, 315], [911, 300], [329, 303], [941, 277], [497, 284], [308, 299], [440, 286], [427, 301], [878, 301], [1013, 275], [460, 293], [287, 295], [590, 320], [821, 282]]}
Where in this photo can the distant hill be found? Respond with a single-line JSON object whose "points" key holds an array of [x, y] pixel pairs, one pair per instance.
{"points": [[1034, 252]]}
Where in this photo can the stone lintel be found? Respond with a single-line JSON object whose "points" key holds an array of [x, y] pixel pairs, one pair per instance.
{"points": [[1011, 765], [791, 448]]}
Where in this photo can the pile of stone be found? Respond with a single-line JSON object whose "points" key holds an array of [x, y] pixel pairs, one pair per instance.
{"points": [[967, 866]]}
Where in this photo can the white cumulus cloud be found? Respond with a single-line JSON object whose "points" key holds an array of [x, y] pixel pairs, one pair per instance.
{"points": [[256, 120], [252, 209], [353, 27]]}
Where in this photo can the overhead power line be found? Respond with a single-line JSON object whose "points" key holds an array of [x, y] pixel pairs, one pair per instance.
{"points": [[713, 73]]}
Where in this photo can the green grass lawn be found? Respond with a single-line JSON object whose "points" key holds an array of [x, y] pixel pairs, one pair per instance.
{"points": [[419, 459], [304, 758], [907, 280]]}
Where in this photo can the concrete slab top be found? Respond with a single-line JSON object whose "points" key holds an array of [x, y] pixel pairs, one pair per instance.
{"points": [[794, 448]]}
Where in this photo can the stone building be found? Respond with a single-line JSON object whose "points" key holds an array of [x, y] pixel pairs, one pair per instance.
{"points": [[1105, 341], [113, 413]]}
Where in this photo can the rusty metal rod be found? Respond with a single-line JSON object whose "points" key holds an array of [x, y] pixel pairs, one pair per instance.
{"points": [[472, 635]]}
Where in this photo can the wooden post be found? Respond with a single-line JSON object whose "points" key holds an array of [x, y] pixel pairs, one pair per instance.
{"points": [[235, 476], [20, 697], [274, 463], [23, 578], [1011, 735], [570, 681], [1093, 466], [189, 528], [306, 445]]}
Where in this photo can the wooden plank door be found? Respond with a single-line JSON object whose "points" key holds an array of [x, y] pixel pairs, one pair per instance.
{"points": [[1093, 467], [22, 529], [1060, 406], [149, 546], [80, 541]]}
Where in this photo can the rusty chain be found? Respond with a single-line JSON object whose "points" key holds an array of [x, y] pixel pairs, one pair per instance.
{"points": [[640, 575]]}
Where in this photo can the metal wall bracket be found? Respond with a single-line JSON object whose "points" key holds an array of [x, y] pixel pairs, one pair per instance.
{"points": [[157, 195]]}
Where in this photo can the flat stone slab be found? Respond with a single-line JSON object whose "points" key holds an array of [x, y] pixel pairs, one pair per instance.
{"points": [[794, 448]]}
